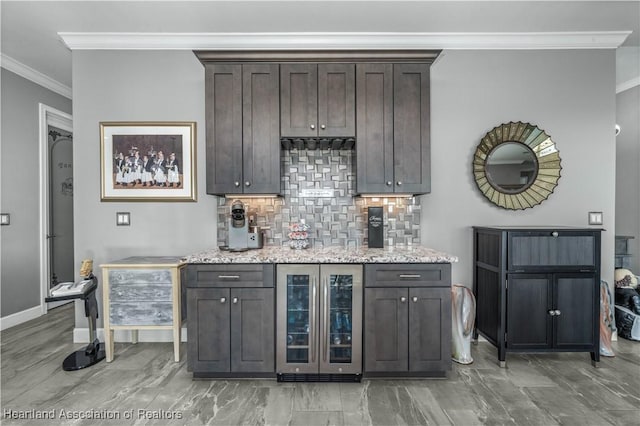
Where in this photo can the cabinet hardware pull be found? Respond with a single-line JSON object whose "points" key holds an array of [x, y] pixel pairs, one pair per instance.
{"points": [[313, 126], [399, 183], [552, 312], [557, 312], [223, 299], [554, 234], [236, 183], [235, 300], [323, 127], [415, 299], [409, 275], [586, 270], [247, 183], [403, 299], [389, 183], [229, 277], [326, 319], [313, 319]]}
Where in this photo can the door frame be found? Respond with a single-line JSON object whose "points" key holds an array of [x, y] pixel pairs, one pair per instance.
{"points": [[48, 116]]}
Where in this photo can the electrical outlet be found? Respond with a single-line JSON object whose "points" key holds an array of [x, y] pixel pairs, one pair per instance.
{"points": [[595, 218], [123, 218]]}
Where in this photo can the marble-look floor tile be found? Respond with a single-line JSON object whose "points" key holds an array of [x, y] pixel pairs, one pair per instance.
{"points": [[317, 397], [317, 418]]}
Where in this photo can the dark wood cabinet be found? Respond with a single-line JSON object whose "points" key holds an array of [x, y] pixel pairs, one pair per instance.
{"points": [[317, 100], [242, 110], [231, 327], [407, 326], [537, 289], [393, 128]]}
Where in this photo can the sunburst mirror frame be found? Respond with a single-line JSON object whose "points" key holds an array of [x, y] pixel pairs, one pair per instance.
{"points": [[547, 156]]}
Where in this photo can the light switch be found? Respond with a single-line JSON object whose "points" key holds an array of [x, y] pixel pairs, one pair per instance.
{"points": [[5, 218], [595, 218], [123, 218]]}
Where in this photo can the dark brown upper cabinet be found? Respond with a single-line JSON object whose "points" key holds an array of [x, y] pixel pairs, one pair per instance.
{"points": [[317, 100], [393, 142], [242, 115]]}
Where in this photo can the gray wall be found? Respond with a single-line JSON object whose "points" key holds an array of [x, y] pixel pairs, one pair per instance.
{"points": [[136, 86], [20, 272], [570, 94], [628, 171]]}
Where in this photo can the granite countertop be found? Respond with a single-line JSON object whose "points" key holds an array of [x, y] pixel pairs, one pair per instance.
{"points": [[273, 254]]}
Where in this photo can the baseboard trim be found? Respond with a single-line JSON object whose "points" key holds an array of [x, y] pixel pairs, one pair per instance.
{"points": [[20, 317], [81, 335]]}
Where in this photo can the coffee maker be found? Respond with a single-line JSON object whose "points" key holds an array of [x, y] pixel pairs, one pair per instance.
{"points": [[238, 227]]}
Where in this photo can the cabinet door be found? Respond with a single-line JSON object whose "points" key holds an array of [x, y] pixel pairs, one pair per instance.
{"points": [[374, 131], [298, 100], [577, 301], [298, 318], [529, 300], [341, 307], [411, 123], [252, 330], [386, 313], [208, 329], [429, 329], [260, 129], [223, 108], [336, 100]]}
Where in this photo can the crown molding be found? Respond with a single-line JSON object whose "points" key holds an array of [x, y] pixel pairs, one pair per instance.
{"points": [[628, 84], [25, 71], [342, 40]]}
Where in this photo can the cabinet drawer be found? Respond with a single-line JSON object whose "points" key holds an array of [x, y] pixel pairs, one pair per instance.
{"points": [[408, 275], [139, 276], [141, 313], [258, 275], [140, 292], [552, 248]]}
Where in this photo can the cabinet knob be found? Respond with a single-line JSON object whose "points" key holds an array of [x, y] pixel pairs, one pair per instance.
{"points": [[223, 299], [236, 183], [403, 299], [247, 183], [557, 312], [552, 312], [313, 126], [235, 300], [399, 183], [323, 127], [389, 183], [554, 234], [415, 299]]}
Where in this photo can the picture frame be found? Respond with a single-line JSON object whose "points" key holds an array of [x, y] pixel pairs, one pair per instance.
{"points": [[148, 161]]}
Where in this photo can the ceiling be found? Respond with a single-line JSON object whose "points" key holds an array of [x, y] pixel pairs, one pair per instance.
{"points": [[29, 29]]}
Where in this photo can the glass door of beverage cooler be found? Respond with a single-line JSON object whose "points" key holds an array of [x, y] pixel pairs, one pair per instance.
{"points": [[297, 318], [341, 319]]}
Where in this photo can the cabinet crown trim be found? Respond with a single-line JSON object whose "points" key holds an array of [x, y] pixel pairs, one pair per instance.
{"points": [[343, 40]]}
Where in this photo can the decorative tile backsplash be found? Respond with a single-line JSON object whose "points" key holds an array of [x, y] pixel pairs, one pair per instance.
{"points": [[339, 220]]}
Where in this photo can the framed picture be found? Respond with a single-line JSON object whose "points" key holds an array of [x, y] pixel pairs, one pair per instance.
{"points": [[148, 161]]}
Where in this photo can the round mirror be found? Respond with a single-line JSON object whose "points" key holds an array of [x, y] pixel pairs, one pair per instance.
{"points": [[516, 166]]}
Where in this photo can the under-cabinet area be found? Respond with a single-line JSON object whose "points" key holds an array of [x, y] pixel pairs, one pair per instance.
{"points": [[307, 317]]}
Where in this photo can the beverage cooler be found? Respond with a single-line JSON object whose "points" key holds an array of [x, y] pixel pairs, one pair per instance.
{"points": [[319, 323]]}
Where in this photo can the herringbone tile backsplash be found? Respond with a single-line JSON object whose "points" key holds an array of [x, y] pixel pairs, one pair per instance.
{"points": [[337, 221]]}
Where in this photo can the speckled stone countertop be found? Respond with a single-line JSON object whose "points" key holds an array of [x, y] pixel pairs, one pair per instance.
{"points": [[413, 254]]}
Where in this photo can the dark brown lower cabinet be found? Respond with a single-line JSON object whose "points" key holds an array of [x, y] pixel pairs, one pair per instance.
{"points": [[407, 330], [231, 330], [538, 289], [548, 311]]}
